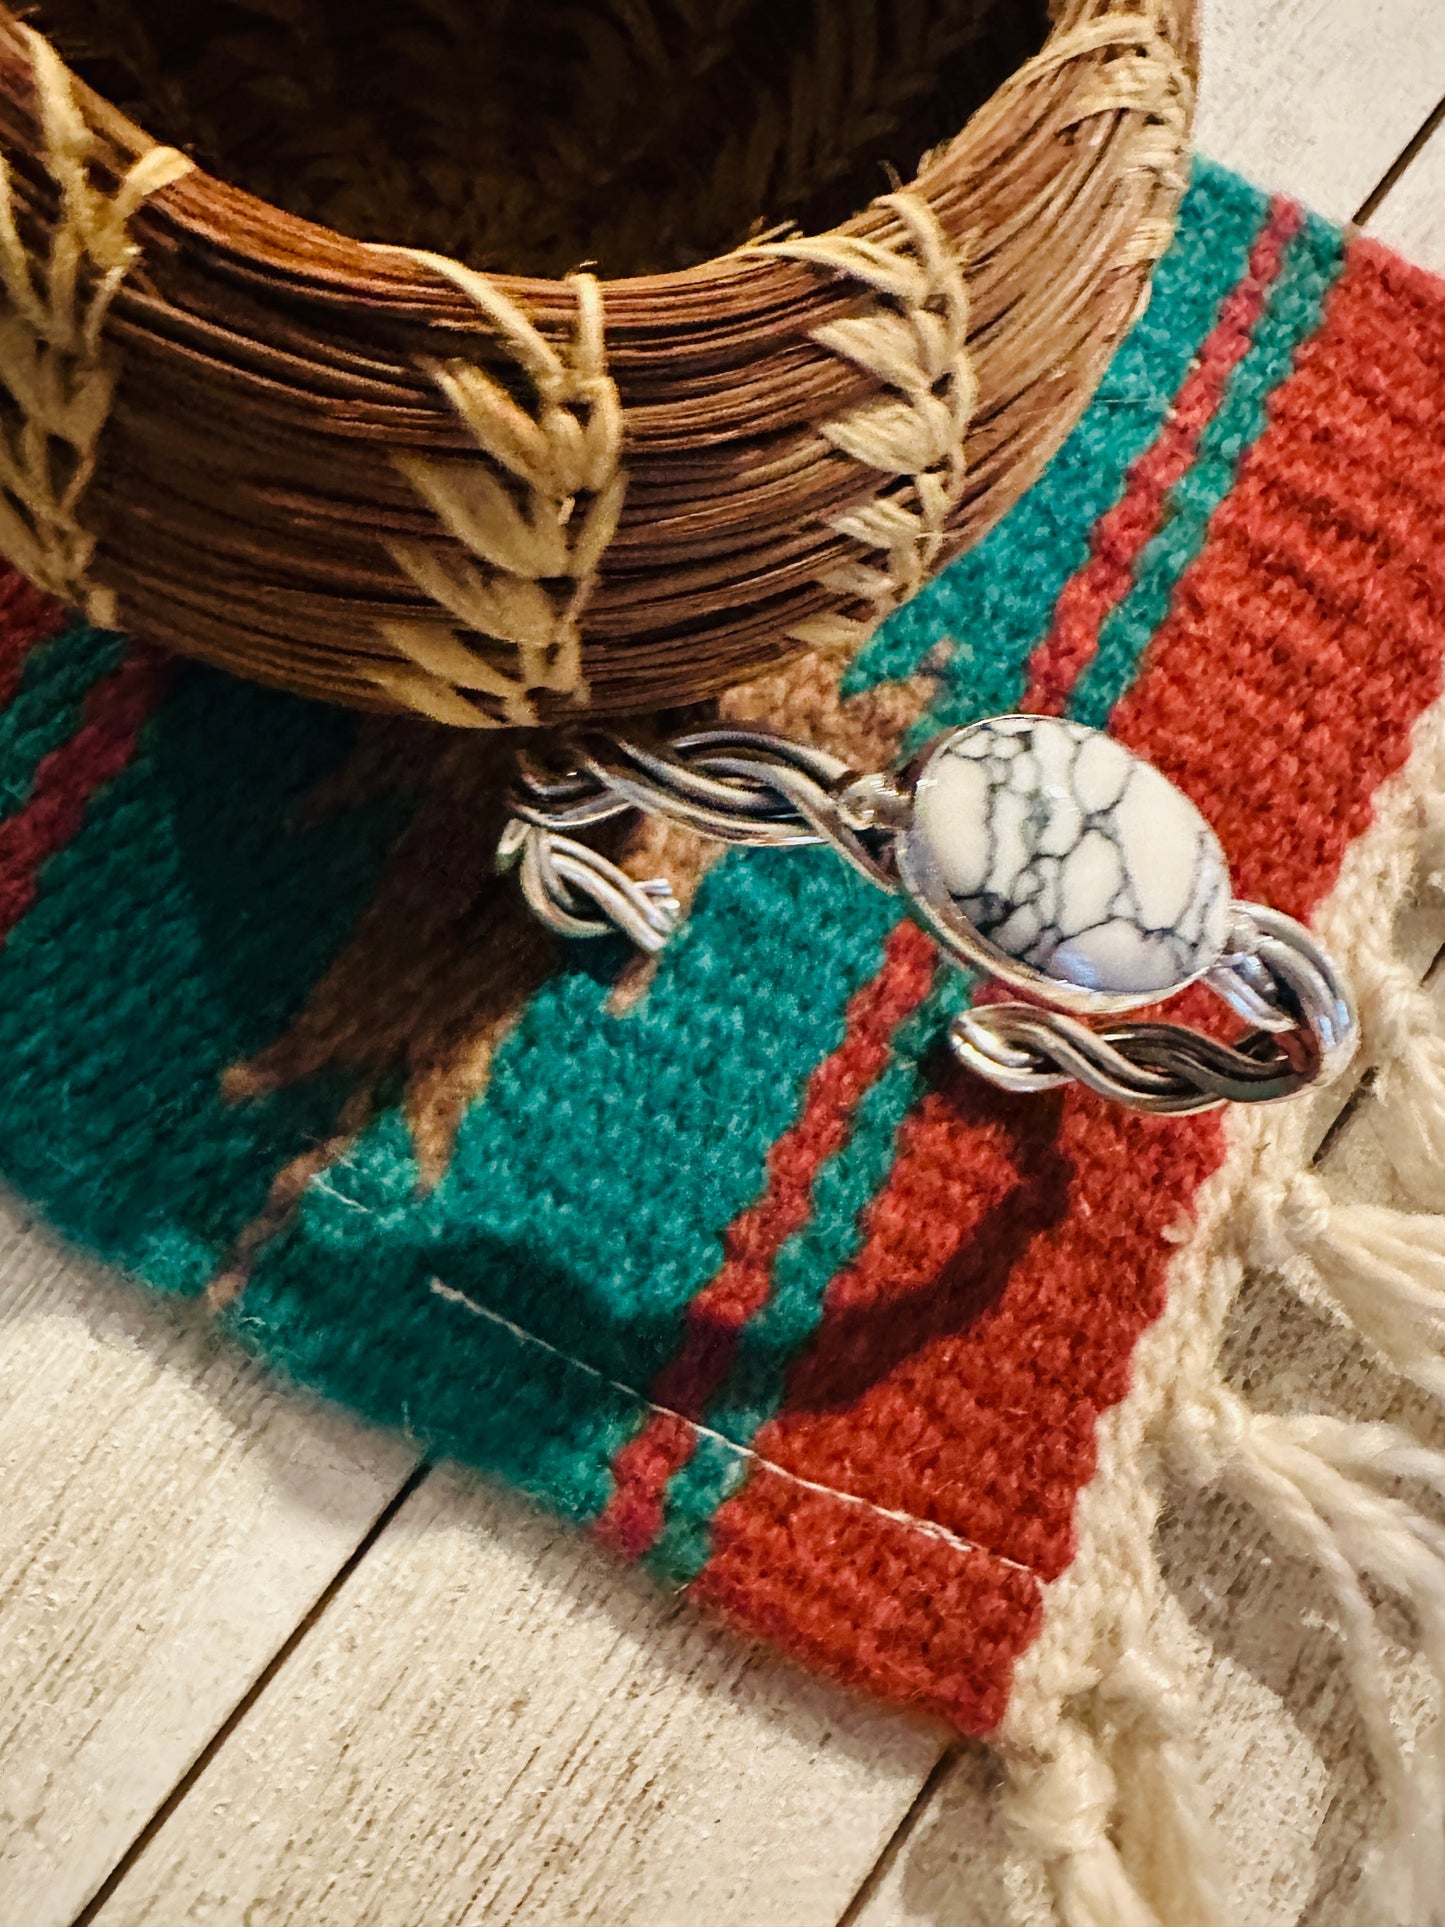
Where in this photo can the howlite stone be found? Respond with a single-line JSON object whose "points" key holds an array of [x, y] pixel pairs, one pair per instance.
{"points": [[1071, 856]]}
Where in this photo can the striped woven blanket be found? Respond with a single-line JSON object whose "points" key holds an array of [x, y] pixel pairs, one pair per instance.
{"points": [[717, 1257]]}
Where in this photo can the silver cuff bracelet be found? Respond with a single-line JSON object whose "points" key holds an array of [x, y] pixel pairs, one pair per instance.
{"points": [[1037, 852]]}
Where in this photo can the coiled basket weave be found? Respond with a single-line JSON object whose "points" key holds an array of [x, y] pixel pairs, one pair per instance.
{"points": [[504, 362]]}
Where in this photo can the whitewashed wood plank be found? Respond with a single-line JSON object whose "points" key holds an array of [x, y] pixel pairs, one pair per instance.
{"points": [[169, 1516], [495, 1722], [1283, 1756], [1310, 99], [703, 1782], [1317, 98], [1282, 1761], [1412, 215]]}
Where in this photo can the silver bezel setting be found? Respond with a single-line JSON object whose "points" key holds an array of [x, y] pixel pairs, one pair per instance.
{"points": [[751, 787], [934, 906]]}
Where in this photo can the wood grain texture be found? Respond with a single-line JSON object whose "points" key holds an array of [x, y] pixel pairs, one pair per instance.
{"points": [[492, 1722], [489, 1720], [1412, 215], [169, 1517], [498, 1724], [1282, 1760], [1318, 97]]}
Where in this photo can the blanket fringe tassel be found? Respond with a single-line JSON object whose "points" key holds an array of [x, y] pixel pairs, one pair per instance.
{"points": [[1115, 1808], [1109, 1795]]}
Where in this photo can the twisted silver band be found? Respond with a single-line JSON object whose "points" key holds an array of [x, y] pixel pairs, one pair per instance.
{"points": [[737, 785], [752, 788]]}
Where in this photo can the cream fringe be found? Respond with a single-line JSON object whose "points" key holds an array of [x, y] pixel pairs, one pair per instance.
{"points": [[55, 369], [1103, 1783]]}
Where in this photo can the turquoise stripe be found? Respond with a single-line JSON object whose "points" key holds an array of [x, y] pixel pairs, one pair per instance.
{"points": [[833, 1236], [591, 1189], [56, 678], [716, 1470], [176, 934], [347, 1302], [589, 1192], [1311, 265], [808, 1261], [614, 1151], [996, 602]]}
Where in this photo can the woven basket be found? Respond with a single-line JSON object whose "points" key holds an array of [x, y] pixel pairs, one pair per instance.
{"points": [[366, 472]]}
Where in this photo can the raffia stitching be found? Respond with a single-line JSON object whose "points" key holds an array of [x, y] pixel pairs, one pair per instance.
{"points": [[1147, 77], [55, 367], [915, 341], [533, 534], [1144, 76]]}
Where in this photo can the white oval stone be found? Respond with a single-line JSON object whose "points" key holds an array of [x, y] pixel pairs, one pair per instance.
{"points": [[1071, 856]]}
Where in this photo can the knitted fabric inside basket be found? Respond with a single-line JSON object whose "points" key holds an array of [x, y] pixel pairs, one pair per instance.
{"points": [[720, 1260]]}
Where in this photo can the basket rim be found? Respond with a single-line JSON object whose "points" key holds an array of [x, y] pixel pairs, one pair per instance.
{"points": [[781, 484], [284, 243]]}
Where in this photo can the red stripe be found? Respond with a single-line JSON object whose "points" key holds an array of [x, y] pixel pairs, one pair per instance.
{"points": [[642, 1469], [1011, 1260], [929, 1624], [27, 618], [739, 1290], [115, 712], [1121, 536], [632, 1517], [964, 1359]]}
